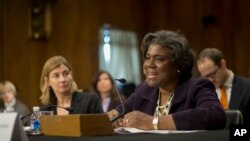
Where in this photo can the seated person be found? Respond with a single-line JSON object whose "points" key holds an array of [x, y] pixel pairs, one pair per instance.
{"points": [[233, 90], [8, 95], [103, 85], [59, 88], [170, 98]]}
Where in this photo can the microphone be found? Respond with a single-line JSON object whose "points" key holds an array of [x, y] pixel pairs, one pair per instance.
{"points": [[121, 80], [70, 109]]}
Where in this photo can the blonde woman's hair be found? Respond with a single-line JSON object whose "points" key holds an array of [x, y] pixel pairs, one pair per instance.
{"points": [[51, 64], [9, 85]]}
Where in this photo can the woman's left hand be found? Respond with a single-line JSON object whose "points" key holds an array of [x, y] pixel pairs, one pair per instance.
{"points": [[138, 120]]}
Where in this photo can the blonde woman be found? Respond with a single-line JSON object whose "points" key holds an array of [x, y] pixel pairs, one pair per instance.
{"points": [[59, 88], [8, 95]]}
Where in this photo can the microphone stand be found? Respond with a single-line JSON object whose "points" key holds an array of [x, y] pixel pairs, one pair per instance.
{"points": [[70, 109], [122, 80]]}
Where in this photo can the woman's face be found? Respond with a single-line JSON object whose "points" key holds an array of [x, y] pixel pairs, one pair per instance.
{"points": [[60, 79], [104, 84], [7, 95], [158, 70]]}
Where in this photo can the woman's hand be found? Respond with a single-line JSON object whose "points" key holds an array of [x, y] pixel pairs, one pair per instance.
{"points": [[118, 122], [139, 120]]}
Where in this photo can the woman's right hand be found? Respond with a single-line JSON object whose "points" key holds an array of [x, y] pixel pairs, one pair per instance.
{"points": [[118, 122]]}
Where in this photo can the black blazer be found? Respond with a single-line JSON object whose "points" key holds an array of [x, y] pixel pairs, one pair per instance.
{"points": [[84, 103], [240, 98]]}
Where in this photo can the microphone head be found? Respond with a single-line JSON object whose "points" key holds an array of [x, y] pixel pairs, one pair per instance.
{"points": [[70, 109], [121, 80]]}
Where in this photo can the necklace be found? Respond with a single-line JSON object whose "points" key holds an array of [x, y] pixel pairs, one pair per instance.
{"points": [[165, 108]]}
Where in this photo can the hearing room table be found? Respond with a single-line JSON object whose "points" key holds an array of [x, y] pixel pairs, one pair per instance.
{"points": [[213, 135]]}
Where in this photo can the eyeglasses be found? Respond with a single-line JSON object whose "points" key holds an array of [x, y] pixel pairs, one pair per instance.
{"points": [[212, 74]]}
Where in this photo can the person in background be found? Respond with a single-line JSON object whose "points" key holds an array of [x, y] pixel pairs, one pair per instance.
{"points": [[103, 85], [8, 95], [59, 88], [170, 98], [233, 90]]}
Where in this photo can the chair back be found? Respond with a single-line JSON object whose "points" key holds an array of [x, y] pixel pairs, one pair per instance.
{"points": [[234, 117]]}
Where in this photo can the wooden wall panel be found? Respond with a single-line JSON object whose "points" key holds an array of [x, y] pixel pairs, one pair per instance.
{"points": [[122, 14], [72, 37], [74, 29], [230, 33], [75, 26], [1, 40], [242, 43], [16, 56]]}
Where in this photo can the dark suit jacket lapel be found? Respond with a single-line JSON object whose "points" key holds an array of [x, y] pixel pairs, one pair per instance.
{"points": [[235, 93], [179, 96], [76, 103], [150, 96]]}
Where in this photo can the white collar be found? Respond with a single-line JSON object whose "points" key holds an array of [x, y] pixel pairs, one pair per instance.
{"points": [[11, 104], [229, 82], [106, 100]]}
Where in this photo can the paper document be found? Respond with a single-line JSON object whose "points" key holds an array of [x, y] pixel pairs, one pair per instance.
{"points": [[125, 130]]}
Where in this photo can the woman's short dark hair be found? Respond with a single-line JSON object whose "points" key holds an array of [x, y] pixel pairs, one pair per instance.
{"points": [[177, 43]]}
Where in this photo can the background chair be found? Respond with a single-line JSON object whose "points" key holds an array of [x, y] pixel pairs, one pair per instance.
{"points": [[234, 117]]}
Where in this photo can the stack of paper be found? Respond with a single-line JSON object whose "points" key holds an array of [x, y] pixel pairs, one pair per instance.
{"points": [[125, 130]]}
